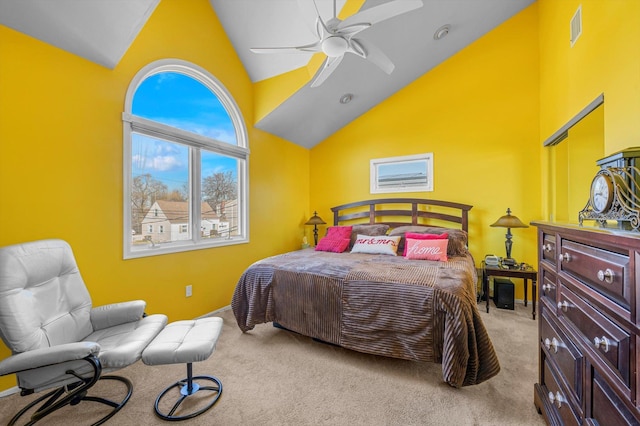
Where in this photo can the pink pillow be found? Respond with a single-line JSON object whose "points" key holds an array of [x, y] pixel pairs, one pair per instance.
{"points": [[415, 236], [335, 245], [339, 232], [434, 249]]}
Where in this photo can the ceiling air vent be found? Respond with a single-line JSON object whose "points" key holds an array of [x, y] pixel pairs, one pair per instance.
{"points": [[576, 25]]}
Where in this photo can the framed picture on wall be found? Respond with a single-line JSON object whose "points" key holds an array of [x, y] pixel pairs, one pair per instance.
{"points": [[410, 173]]}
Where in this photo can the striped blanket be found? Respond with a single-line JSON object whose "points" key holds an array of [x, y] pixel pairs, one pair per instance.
{"points": [[383, 305]]}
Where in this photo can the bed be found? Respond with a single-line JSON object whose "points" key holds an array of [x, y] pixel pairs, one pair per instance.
{"points": [[388, 305]]}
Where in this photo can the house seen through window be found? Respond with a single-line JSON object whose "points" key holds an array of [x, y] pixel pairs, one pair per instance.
{"points": [[185, 162]]}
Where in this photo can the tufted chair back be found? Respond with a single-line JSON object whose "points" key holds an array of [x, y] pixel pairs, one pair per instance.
{"points": [[58, 340], [43, 299]]}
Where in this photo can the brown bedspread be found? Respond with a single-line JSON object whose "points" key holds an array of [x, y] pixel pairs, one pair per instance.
{"points": [[384, 305]]}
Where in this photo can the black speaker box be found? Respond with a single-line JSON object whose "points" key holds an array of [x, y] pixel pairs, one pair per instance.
{"points": [[503, 293]]}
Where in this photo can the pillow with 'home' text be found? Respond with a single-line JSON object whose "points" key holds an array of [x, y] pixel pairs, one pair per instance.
{"points": [[457, 237], [427, 249], [415, 236]]}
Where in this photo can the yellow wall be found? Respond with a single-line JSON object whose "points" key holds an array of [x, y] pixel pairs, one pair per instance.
{"points": [[573, 165], [61, 164], [478, 114], [483, 113], [605, 60]]}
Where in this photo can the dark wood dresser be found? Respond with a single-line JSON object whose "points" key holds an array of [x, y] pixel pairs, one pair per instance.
{"points": [[588, 325]]}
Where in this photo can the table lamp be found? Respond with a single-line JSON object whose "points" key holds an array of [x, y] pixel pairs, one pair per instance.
{"points": [[315, 221], [508, 221]]}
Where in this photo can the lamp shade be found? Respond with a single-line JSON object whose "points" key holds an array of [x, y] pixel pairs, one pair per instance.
{"points": [[509, 221], [315, 220]]}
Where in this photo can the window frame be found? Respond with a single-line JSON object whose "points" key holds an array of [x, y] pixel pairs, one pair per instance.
{"points": [[135, 124]]}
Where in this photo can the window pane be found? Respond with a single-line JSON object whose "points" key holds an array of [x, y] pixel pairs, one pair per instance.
{"points": [[184, 191], [180, 101], [159, 192], [219, 195]]}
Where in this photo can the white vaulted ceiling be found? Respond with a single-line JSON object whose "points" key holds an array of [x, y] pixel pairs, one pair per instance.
{"points": [[98, 30], [102, 31]]}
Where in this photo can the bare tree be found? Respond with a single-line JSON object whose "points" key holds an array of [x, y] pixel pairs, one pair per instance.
{"points": [[145, 190], [175, 195], [219, 187]]}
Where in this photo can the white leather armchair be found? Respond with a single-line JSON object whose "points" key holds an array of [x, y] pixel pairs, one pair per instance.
{"points": [[58, 340]]}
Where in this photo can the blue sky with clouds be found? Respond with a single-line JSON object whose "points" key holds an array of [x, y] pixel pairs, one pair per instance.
{"points": [[180, 101]]}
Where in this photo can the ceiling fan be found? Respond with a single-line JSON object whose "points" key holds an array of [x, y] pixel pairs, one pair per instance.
{"points": [[336, 37]]}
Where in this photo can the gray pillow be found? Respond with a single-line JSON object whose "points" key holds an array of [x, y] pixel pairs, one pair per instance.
{"points": [[457, 245], [370, 230]]}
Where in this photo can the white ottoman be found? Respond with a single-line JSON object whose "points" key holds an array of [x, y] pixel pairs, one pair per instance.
{"points": [[185, 342]]}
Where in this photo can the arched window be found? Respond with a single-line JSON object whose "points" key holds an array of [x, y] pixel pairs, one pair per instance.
{"points": [[185, 162]]}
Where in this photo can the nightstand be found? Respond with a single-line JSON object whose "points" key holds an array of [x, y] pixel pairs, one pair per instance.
{"points": [[526, 274]]}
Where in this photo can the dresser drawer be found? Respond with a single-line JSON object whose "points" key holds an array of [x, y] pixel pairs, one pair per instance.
{"points": [[548, 286], [560, 350], [607, 408], [558, 398], [549, 248], [602, 270], [610, 342], [589, 293]]}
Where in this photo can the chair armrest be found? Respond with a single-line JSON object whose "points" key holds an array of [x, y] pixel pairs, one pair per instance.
{"points": [[48, 356], [117, 313]]}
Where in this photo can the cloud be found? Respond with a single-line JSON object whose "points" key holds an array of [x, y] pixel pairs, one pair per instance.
{"points": [[163, 77], [158, 156], [161, 163], [165, 163]]}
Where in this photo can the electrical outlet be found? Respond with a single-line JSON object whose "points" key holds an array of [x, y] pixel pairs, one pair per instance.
{"points": [[188, 291]]}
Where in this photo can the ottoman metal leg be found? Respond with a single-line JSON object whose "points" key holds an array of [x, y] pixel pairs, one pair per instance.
{"points": [[186, 342], [187, 388]]}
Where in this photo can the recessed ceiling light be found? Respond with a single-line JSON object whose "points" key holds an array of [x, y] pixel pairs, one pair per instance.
{"points": [[441, 32], [346, 98]]}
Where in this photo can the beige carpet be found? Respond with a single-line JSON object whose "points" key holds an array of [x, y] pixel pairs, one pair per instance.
{"points": [[275, 377]]}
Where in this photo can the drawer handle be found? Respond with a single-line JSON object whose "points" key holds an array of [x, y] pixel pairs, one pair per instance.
{"points": [[547, 287], [563, 305], [557, 398], [602, 342], [564, 257], [546, 247], [606, 275], [553, 343]]}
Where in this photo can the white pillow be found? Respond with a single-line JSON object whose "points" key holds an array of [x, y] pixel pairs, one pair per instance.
{"points": [[382, 244]]}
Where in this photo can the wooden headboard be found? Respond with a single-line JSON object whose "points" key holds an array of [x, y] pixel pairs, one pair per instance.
{"points": [[394, 211]]}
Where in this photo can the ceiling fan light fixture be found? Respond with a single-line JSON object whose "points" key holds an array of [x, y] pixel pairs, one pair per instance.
{"points": [[346, 98], [336, 36], [442, 32], [334, 46]]}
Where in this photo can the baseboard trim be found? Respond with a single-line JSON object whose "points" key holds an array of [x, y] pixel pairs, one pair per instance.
{"points": [[217, 311], [9, 392]]}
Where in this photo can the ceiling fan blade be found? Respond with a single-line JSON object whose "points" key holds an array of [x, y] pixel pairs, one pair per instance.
{"points": [[381, 12], [373, 55], [308, 48], [309, 14], [352, 29], [330, 65]]}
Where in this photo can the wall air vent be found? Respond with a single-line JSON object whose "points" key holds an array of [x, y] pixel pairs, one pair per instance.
{"points": [[576, 25]]}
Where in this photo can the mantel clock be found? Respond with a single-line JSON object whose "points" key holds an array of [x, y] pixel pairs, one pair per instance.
{"points": [[615, 191]]}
